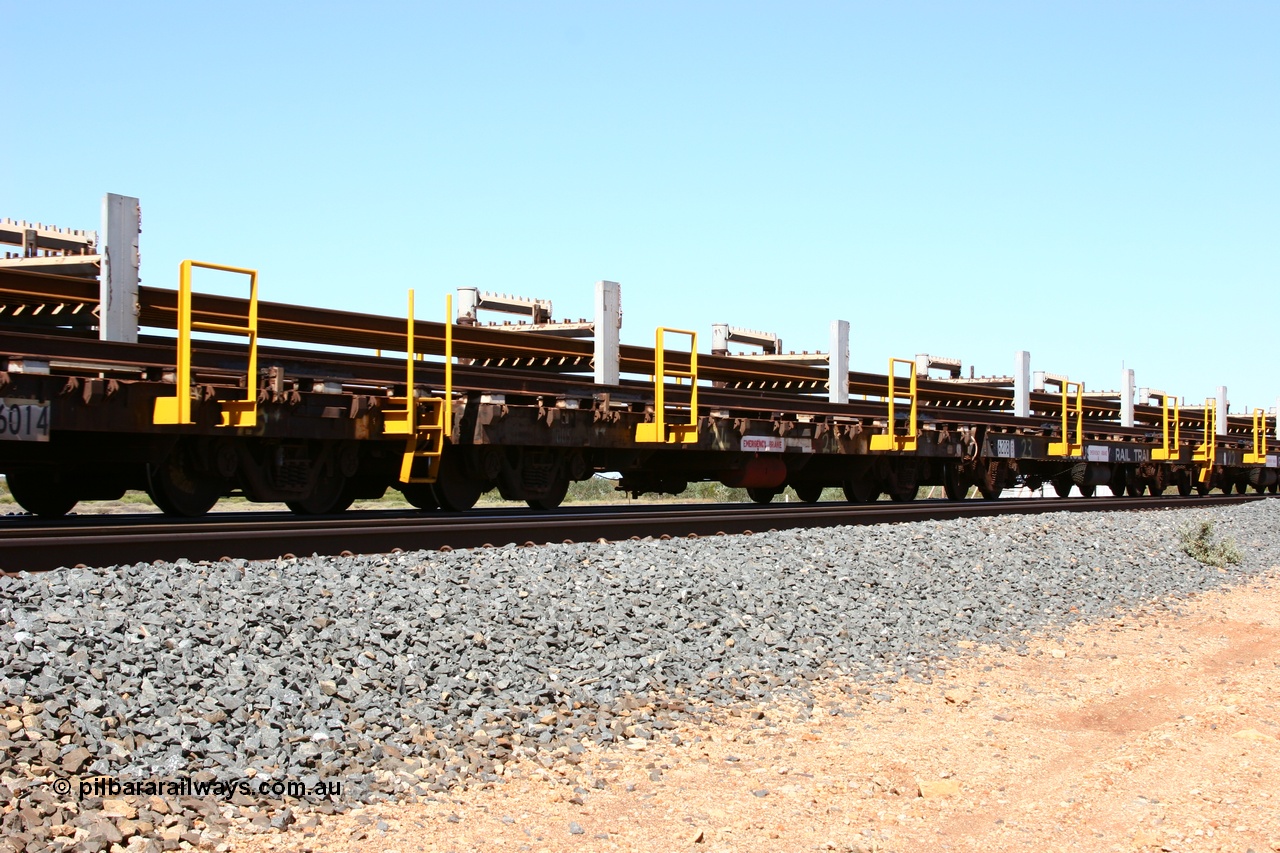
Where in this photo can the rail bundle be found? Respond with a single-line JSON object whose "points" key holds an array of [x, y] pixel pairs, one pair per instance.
{"points": [[109, 386]]}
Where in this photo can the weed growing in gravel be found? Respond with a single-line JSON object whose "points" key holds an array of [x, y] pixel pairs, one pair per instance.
{"points": [[1199, 543]]}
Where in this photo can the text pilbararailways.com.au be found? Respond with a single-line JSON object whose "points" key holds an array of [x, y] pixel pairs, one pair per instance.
{"points": [[189, 786]]}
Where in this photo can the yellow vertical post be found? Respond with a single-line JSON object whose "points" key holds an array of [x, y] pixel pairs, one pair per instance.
{"points": [[184, 343], [409, 353], [448, 356]]}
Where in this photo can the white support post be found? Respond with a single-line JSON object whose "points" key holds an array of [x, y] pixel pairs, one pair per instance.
{"points": [[118, 289], [1277, 424], [838, 363], [1126, 398], [1222, 410], [719, 338], [1022, 384], [468, 305], [608, 324]]}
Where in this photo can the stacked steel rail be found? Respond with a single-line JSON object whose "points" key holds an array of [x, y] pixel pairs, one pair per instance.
{"points": [[470, 408]]}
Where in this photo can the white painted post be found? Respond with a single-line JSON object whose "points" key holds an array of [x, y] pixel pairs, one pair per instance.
{"points": [[838, 363], [1222, 409], [608, 324], [468, 305], [1022, 384], [118, 288], [1126, 398], [719, 338]]}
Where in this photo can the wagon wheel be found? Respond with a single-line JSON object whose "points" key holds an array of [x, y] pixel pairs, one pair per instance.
{"points": [[455, 488], [179, 489], [810, 493], [1136, 488], [47, 495], [331, 495], [952, 483], [991, 483], [1088, 490], [1062, 485], [761, 495], [861, 490], [420, 495], [553, 497], [1184, 483], [1202, 488]]}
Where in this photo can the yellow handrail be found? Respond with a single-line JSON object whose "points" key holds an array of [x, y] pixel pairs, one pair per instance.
{"points": [[177, 409], [659, 430], [1259, 454], [1067, 447], [1169, 450], [407, 422], [891, 440], [1207, 452]]}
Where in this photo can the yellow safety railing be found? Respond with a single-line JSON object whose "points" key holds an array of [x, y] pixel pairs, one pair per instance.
{"points": [[1170, 448], [891, 440], [237, 413], [423, 421], [1206, 453], [659, 430], [1067, 447], [1258, 456]]}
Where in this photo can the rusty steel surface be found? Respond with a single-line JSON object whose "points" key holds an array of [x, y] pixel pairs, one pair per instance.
{"points": [[524, 350], [32, 545]]}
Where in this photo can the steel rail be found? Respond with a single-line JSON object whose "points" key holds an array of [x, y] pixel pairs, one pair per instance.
{"points": [[214, 361], [40, 546], [327, 327]]}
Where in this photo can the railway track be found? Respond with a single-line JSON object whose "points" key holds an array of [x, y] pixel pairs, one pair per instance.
{"points": [[30, 544]]}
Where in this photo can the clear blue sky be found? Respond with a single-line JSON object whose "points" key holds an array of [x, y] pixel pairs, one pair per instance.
{"points": [[1095, 182]]}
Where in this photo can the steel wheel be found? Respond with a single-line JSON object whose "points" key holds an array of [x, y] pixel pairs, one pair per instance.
{"points": [[455, 489], [553, 498], [1062, 486], [810, 493], [1184, 484], [762, 496], [180, 490], [420, 495], [991, 483], [1087, 491], [952, 485], [860, 490], [45, 494], [329, 496]]}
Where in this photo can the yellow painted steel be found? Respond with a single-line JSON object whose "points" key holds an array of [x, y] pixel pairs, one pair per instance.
{"points": [[660, 430], [423, 421], [236, 413], [1067, 447], [891, 440], [1258, 455], [1170, 449], [1207, 452]]}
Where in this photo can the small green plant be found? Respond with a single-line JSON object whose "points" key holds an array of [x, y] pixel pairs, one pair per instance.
{"points": [[1199, 544]]}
